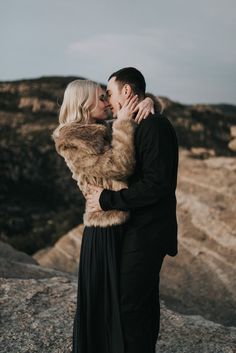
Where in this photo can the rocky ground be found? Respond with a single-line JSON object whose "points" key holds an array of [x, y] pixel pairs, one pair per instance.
{"points": [[38, 307]]}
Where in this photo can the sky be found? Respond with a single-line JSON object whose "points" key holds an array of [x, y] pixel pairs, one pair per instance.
{"points": [[186, 49]]}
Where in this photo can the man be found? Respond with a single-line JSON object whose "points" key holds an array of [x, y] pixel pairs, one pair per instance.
{"points": [[151, 231]]}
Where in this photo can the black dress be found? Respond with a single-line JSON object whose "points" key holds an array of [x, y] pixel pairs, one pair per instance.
{"points": [[97, 325]]}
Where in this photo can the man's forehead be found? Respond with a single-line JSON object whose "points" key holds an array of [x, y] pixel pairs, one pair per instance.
{"points": [[108, 88], [111, 83]]}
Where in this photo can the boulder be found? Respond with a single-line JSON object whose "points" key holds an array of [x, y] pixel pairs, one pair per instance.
{"points": [[8, 252], [201, 152], [201, 278], [232, 145], [16, 264], [65, 254], [233, 131]]}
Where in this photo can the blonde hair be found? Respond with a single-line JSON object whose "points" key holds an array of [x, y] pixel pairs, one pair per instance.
{"points": [[79, 98]]}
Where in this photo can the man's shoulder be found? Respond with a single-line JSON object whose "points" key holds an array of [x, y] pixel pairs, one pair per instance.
{"points": [[155, 124], [153, 121], [148, 128]]}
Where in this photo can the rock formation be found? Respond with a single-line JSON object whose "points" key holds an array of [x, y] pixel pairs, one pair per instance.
{"points": [[65, 254], [16, 264], [37, 317], [201, 279], [39, 201]]}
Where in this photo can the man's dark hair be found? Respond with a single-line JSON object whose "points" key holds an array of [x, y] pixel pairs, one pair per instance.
{"points": [[133, 77]]}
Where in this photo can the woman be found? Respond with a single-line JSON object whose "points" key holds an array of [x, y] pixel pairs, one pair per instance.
{"points": [[97, 157]]}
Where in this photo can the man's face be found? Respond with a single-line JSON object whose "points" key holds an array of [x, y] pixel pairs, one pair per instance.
{"points": [[116, 96]]}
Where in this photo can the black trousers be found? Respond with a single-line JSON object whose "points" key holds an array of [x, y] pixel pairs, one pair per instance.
{"points": [[141, 261]]}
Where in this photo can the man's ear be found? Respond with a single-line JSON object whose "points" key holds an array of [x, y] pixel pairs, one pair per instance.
{"points": [[127, 90]]}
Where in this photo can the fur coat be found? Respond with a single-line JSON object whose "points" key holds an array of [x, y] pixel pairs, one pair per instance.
{"points": [[97, 158]]}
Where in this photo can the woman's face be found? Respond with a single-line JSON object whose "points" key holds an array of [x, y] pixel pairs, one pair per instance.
{"points": [[102, 106]]}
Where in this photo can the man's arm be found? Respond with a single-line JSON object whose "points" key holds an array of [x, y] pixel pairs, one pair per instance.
{"points": [[155, 145]]}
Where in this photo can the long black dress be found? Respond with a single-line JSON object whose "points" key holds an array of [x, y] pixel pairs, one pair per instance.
{"points": [[97, 325]]}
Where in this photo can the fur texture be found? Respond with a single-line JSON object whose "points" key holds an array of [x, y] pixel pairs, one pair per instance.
{"points": [[97, 158]]}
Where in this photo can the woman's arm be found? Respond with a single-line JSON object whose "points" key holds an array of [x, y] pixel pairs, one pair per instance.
{"points": [[150, 105], [116, 162], [158, 104]]}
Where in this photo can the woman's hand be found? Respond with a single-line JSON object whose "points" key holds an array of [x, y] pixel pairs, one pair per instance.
{"points": [[128, 109], [143, 109]]}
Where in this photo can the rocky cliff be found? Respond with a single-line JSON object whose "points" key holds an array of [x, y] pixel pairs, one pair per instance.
{"points": [[39, 201]]}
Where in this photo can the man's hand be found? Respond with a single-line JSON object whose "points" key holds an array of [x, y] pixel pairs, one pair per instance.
{"points": [[92, 197]]}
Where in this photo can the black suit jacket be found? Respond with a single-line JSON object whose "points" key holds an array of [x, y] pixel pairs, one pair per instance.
{"points": [[150, 197]]}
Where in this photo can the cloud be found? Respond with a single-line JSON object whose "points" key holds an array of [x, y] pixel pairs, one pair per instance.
{"points": [[174, 62], [149, 50], [116, 49]]}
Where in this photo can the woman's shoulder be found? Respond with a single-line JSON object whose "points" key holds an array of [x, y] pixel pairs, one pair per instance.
{"points": [[76, 130], [72, 135]]}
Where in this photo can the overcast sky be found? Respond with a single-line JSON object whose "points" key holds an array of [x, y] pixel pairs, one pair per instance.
{"points": [[186, 49]]}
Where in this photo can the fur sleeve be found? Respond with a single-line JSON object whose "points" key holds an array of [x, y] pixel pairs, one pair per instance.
{"points": [[116, 161]]}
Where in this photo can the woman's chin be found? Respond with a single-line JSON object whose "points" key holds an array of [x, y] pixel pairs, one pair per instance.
{"points": [[103, 117]]}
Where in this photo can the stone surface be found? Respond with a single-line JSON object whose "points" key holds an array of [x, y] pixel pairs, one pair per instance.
{"points": [[8, 252], [37, 317], [232, 145], [193, 334], [233, 131], [201, 279], [15, 269], [16, 264], [200, 152]]}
